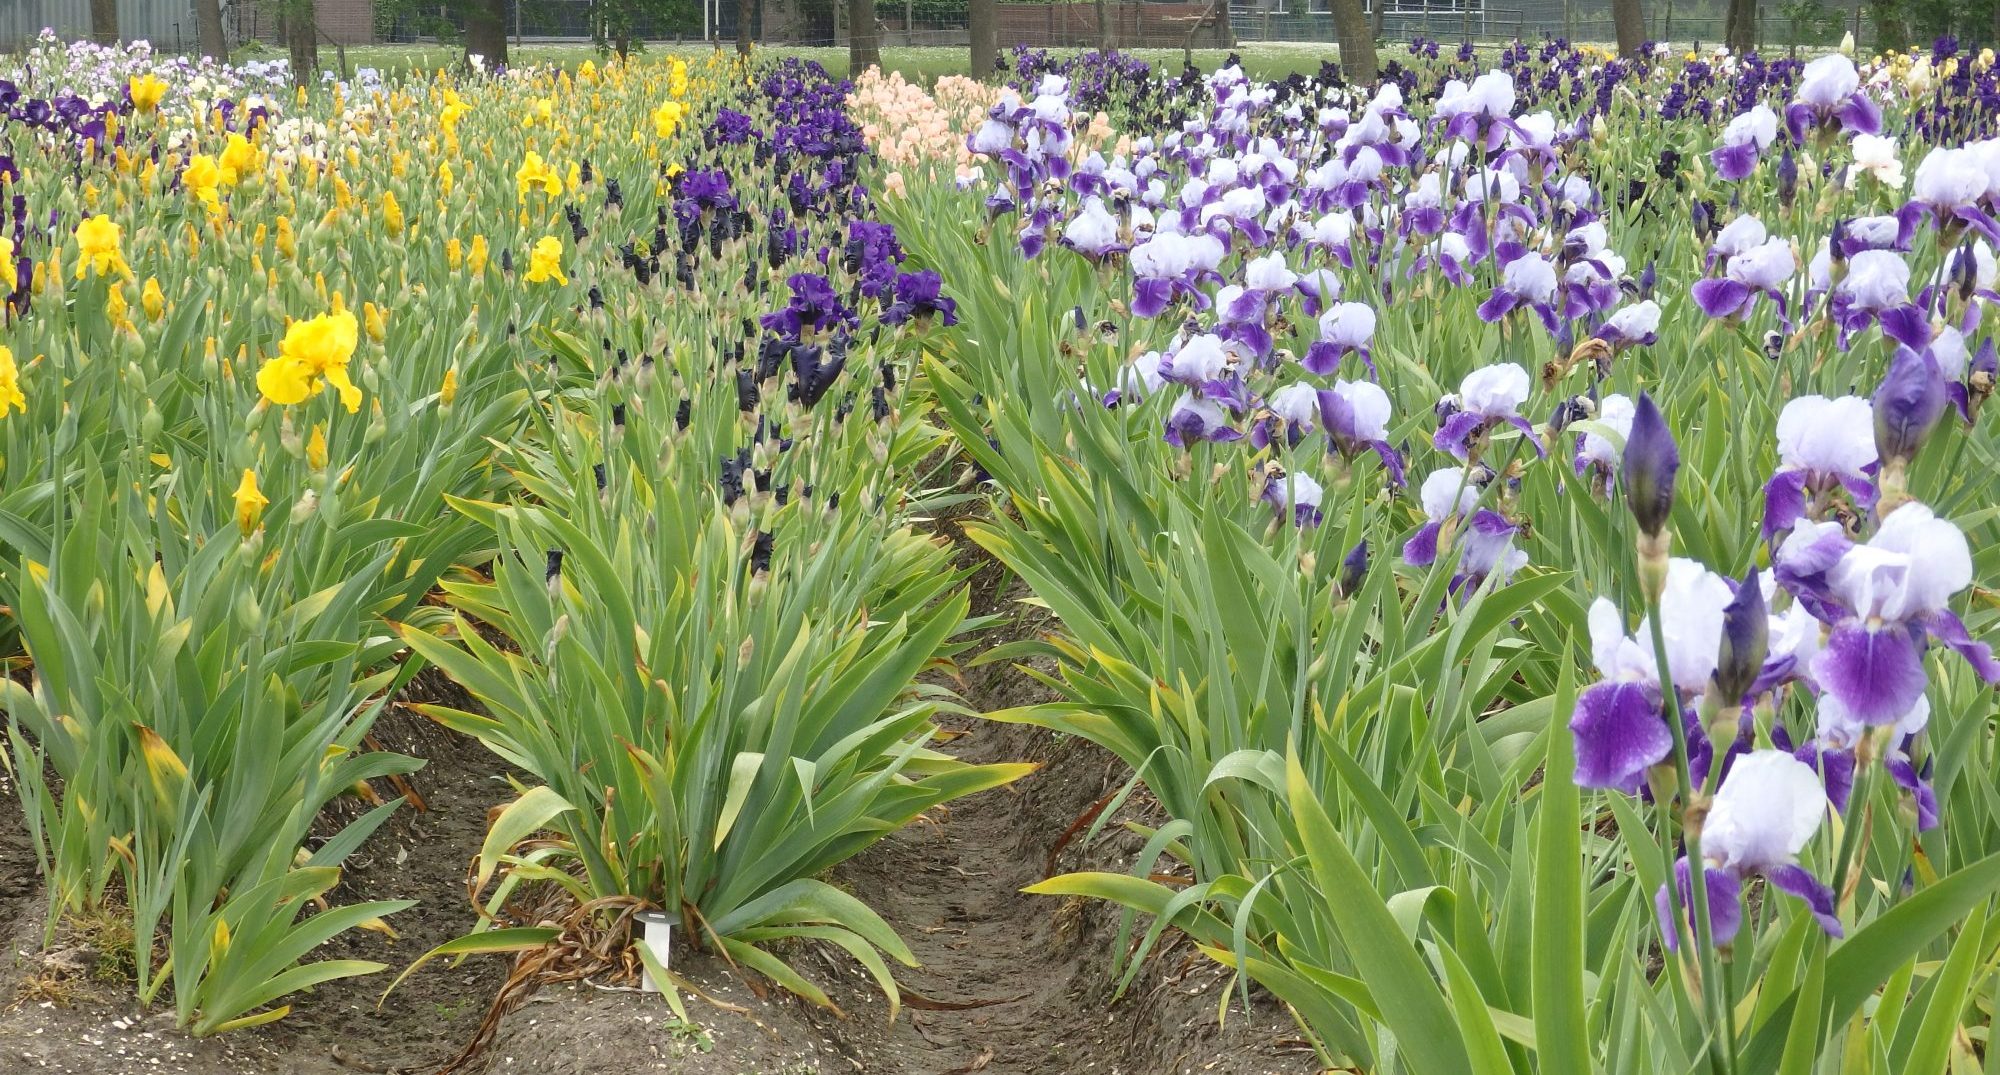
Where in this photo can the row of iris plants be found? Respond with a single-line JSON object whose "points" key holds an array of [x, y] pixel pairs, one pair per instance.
{"points": [[591, 389], [1525, 527]]}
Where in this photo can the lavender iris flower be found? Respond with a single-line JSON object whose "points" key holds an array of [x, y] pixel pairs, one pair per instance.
{"points": [[1299, 492], [1824, 445], [1167, 266], [1636, 325], [1528, 280]]}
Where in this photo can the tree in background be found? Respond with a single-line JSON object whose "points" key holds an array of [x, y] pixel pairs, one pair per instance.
{"points": [[1739, 29], [208, 28], [864, 37], [746, 13], [1357, 41], [298, 24], [983, 22], [104, 21], [486, 30], [1630, 20]]}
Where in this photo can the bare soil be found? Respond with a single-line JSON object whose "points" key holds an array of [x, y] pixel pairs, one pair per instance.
{"points": [[1009, 984]]}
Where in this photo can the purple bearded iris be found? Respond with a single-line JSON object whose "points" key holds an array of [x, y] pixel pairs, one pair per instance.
{"points": [[1597, 453], [1744, 142], [1824, 446], [1885, 600], [1488, 398], [1768, 808], [1355, 415], [1636, 325], [1830, 99], [1618, 726], [1198, 418], [1093, 232], [919, 295]]}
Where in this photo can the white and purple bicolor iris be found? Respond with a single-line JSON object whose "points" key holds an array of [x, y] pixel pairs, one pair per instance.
{"points": [[1618, 724], [1485, 542], [1744, 142], [1197, 418], [1300, 492], [1168, 265], [1770, 805], [1634, 325], [1489, 397], [1948, 187], [1528, 280], [1596, 452], [1756, 271], [1345, 328], [1093, 232], [1885, 601], [1830, 98], [1823, 445], [1877, 289]]}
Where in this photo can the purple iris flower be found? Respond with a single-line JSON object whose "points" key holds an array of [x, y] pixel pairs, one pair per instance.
{"points": [[1489, 397], [1824, 446], [1768, 808], [919, 295], [1829, 99], [1887, 599], [1356, 416]]}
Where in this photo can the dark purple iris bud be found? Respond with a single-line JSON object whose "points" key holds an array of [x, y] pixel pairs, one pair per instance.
{"points": [[1788, 178], [1704, 222], [552, 573], [1651, 461], [746, 391], [614, 195], [879, 405], [1774, 344], [761, 548], [1573, 409], [1746, 629], [596, 297], [618, 416], [597, 472], [507, 260], [1353, 569], [1907, 404]]}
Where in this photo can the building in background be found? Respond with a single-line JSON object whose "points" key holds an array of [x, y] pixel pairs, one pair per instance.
{"points": [[170, 24]]}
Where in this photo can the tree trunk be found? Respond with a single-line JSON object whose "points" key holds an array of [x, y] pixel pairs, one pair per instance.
{"points": [[864, 38], [302, 35], [1357, 41], [1630, 19], [1740, 29], [104, 21], [1892, 27], [1103, 26], [746, 12], [486, 31], [983, 22], [208, 25]]}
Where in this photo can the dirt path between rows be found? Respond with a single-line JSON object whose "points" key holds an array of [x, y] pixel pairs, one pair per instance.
{"points": [[1039, 971]]}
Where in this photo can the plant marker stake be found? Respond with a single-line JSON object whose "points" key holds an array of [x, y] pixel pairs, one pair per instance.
{"points": [[657, 930]]}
